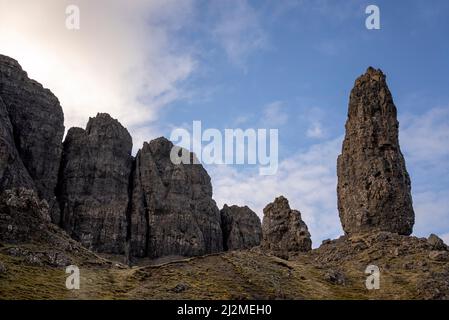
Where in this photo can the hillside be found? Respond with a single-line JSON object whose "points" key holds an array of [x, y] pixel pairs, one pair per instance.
{"points": [[334, 271]]}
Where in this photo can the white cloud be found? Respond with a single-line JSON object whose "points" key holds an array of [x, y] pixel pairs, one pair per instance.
{"points": [[445, 238], [425, 137], [274, 114], [424, 140], [315, 130], [431, 211], [307, 179], [238, 30], [241, 120], [312, 118], [125, 59]]}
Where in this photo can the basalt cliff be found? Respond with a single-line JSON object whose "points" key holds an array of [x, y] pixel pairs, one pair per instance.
{"points": [[142, 227]]}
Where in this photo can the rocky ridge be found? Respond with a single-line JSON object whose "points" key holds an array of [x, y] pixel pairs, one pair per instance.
{"points": [[36, 124], [95, 190], [148, 207]]}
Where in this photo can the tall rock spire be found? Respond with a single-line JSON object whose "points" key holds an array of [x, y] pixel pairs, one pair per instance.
{"points": [[373, 183]]}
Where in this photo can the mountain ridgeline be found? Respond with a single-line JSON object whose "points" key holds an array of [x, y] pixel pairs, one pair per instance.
{"points": [[63, 202], [102, 196], [147, 206]]}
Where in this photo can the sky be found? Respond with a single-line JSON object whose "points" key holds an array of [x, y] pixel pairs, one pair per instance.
{"points": [[159, 65]]}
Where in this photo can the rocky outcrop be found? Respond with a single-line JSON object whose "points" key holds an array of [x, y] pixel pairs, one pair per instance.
{"points": [[93, 188], [437, 243], [22, 215], [172, 211], [241, 228], [28, 236], [283, 230], [37, 126], [373, 183]]}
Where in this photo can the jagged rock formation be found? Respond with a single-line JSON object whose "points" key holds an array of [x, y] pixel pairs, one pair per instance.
{"points": [[172, 210], [283, 230], [36, 124], [241, 228], [168, 210], [373, 183], [94, 179]]}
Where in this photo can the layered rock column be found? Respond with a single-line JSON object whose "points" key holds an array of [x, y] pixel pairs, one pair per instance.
{"points": [[173, 212], [284, 232], [241, 228], [94, 180], [37, 125], [373, 183]]}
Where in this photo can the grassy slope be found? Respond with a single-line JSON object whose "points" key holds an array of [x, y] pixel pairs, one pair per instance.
{"points": [[232, 275]]}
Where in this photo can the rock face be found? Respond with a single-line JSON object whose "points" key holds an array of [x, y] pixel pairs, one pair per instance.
{"points": [[241, 228], [373, 183], [172, 211], [37, 124], [12, 170], [283, 230], [93, 188]]}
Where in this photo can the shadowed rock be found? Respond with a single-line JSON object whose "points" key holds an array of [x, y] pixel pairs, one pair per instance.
{"points": [[173, 212], [94, 180], [283, 230], [37, 123], [373, 183], [12, 170], [241, 228]]}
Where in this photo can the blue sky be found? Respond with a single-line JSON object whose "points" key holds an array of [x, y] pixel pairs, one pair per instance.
{"points": [[290, 65]]}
